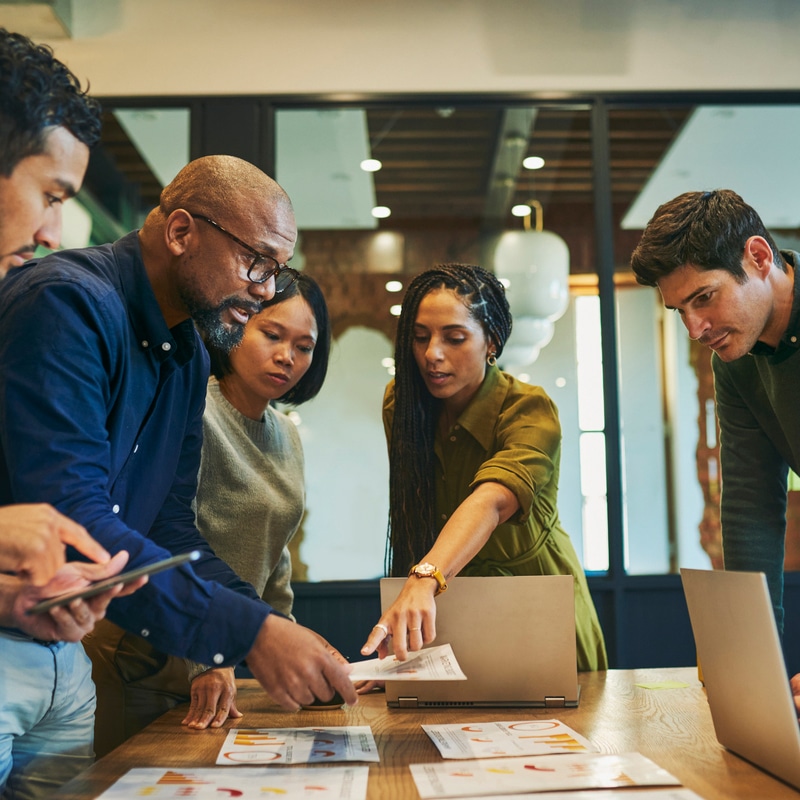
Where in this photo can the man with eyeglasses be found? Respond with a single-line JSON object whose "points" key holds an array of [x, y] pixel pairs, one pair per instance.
{"points": [[102, 385]]}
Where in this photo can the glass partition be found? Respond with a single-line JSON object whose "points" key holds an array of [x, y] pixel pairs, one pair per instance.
{"points": [[382, 193]]}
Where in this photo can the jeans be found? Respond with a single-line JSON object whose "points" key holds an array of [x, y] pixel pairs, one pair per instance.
{"points": [[47, 704]]}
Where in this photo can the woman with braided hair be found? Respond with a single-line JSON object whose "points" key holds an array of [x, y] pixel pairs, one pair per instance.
{"points": [[474, 458]]}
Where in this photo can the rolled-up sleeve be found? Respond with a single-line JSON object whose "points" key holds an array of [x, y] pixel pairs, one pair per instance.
{"points": [[528, 442]]}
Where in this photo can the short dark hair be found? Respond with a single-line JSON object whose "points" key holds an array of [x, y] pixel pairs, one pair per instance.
{"points": [[705, 229], [38, 93], [309, 385]]}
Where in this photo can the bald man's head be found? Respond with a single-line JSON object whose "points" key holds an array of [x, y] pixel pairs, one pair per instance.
{"points": [[220, 187], [220, 222]]}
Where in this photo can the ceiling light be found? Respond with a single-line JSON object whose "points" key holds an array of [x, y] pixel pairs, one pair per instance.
{"points": [[506, 282], [371, 165], [387, 362], [395, 310], [381, 212], [533, 162], [394, 286], [518, 211]]}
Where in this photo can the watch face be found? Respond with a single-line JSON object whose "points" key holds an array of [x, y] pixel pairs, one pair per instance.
{"points": [[425, 569]]}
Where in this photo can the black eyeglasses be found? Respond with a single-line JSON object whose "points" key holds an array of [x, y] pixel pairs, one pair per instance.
{"points": [[263, 267]]}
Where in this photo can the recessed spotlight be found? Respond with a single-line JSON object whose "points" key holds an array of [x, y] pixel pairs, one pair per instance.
{"points": [[561, 382], [524, 377], [394, 286], [395, 310], [371, 165], [387, 362], [518, 211], [533, 162], [381, 212], [506, 282], [295, 418]]}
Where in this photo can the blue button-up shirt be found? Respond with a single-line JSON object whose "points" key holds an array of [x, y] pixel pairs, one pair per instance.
{"points": [[101, 411]]}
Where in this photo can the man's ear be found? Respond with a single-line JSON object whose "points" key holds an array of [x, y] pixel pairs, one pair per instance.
{"points": [[178, 231], [757, 249]]}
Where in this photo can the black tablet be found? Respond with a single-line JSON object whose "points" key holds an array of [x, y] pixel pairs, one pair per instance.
{"points": [[101, 586]]}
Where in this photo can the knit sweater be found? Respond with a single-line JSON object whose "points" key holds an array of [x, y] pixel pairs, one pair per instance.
{"points": [[756, 399], [250, 494]]}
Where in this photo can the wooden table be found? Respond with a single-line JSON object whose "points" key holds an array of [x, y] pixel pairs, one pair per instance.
{"points": [[670, 726]]}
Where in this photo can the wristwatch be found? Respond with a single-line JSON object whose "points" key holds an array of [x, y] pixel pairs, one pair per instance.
{"points": [[426, 570]]}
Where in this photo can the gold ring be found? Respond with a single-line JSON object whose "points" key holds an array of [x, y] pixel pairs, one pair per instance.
{"points": [[414, 629], [382, 627]]}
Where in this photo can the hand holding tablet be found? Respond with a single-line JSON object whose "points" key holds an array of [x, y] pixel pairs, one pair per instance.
{"points": [[98, 587]]}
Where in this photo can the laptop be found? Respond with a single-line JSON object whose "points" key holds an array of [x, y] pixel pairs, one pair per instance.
{"points": [[514, 638], [744, 672]]}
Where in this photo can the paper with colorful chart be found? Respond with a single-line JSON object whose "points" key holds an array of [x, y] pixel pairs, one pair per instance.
{"points": [[550, 773], [603, 794], [278, 746], [495, 739], [216, 783], [430, 664]]}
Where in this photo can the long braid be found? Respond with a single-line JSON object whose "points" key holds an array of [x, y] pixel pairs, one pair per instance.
{"points": [[412, 494]]}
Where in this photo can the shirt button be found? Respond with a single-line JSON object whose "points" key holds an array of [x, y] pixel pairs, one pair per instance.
{"points": [[457, 427], [444, 516], [144, 632], [115, 508], [166, 346], [793, 340], [452, 438], [218, 658], [145, 343]]}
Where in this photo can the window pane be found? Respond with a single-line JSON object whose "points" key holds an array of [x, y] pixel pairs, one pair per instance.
{"points": [[667, 400], [448, 179]]}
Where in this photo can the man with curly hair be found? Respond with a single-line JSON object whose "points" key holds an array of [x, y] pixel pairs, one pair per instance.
{"points": [[47, 126]]}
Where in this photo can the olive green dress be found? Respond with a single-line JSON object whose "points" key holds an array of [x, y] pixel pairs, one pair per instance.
{"points": [[510, 434]]}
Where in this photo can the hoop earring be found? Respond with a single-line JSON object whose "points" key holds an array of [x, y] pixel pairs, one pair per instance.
{"points": [[491, 359]]}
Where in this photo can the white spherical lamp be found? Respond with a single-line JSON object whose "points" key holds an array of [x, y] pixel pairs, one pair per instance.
{"points": [[536, 266]]}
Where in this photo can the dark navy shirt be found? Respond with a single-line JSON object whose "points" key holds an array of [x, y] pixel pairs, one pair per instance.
{"points": [[101, 410]]}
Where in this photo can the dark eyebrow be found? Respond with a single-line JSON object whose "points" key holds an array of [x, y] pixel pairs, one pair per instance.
{"points": [[67, 187], [454, 326], [282, 328], [689, 297]]}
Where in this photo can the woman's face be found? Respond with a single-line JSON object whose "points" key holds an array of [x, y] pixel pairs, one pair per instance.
{"points": [[276, 351], [450, 348]]}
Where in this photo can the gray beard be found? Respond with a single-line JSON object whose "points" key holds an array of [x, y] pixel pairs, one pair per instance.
{"points": [[209, 321]]}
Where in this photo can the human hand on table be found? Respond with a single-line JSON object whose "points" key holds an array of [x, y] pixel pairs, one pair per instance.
{"points": [[33, 540], [72, 622], [296, 665], [410, 621], [213, 699]]}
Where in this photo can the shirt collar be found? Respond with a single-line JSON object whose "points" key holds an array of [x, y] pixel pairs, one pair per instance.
{"points": [[148, 322], [486, 405], [790, 341]]}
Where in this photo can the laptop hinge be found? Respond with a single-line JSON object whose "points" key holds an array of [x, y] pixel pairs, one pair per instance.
{"points": [[554, 702], [408, 702]]}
